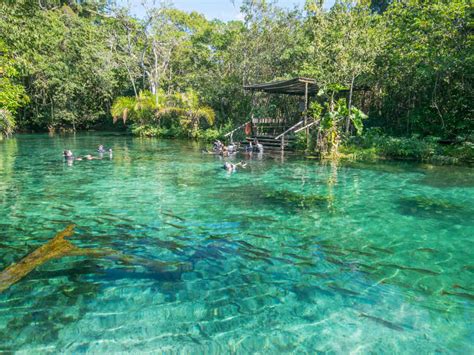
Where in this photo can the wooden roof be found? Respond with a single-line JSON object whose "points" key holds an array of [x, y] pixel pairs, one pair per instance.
{"points": [[294, 86]]}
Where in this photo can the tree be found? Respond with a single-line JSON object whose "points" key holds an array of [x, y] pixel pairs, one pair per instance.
{"points": [[424, 69], [346, 42], [12, 95]]}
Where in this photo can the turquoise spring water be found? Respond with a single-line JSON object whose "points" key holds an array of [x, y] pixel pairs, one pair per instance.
{"points": [[288, 255]]}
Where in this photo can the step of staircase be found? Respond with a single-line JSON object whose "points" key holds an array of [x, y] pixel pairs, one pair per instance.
{"points": [[270, 142]]}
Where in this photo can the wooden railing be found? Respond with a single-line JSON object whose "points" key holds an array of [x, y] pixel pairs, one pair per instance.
{"points": [[282, 135], [231, 133], [289, 129], [307, 126]]}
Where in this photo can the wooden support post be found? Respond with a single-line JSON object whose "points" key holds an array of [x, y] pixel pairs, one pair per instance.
{"points": [[282, 144]]}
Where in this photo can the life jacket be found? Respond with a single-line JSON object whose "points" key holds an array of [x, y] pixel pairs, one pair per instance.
{"points": [[248, 129]]}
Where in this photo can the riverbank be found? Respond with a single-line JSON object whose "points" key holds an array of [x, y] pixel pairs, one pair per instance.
{"points": [[368, 147], [429, 149]]}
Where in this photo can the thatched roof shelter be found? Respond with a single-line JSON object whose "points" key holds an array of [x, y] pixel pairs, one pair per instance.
{"points": [[296, 86]]}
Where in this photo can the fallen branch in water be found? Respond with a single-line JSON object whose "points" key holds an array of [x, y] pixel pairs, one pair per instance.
{"points": [[59, 247]]}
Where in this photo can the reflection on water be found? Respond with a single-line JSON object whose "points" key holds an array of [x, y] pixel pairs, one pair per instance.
{"points": [[287, 255]]}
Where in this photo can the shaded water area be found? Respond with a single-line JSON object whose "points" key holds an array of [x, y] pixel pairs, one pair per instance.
{"points": [[288, 255]]}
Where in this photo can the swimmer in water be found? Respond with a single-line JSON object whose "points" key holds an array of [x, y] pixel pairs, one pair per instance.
{"points": [[103, 150], [233, 167], [257, 147], [68, 155]]}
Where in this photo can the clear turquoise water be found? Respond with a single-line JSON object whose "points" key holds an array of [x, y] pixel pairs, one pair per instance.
{"points": [[288, 255]]}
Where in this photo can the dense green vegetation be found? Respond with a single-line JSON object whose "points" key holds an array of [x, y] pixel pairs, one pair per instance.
{"points": [[70, 65]]}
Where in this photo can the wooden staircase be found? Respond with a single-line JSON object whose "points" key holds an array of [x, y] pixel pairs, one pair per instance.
{"points": [[270, 143]]}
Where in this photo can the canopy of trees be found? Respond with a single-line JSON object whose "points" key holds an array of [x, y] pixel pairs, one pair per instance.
{"points": [[64, 63]]}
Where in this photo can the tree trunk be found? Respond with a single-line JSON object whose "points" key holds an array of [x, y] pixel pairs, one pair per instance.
{"points": [[349, 106]]}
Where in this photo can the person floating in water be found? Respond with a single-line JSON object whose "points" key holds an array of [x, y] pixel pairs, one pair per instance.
{"points": [[68, 155], [233, 167], [102, 150], [217, 146]]}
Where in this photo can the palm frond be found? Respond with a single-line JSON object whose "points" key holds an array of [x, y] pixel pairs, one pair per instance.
{"points": [[121, 107], [206, 113]]}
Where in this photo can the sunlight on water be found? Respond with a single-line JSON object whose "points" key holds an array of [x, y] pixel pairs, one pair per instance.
{"points": [[288, 255]]}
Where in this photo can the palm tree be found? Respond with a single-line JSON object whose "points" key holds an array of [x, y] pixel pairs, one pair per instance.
{"points": [[178, 108], [140, 108]]}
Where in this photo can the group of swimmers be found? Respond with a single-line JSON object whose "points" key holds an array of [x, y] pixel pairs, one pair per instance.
{"points": [[69, 155], [221, 149]]}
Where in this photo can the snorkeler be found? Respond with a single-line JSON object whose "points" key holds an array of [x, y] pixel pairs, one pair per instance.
{"points": [[233, 167], [102, 150], [68, 155], [217, 146]]}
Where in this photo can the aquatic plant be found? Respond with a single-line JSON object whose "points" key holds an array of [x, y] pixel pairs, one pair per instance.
{"points": [[428, 207], [295, 200]]}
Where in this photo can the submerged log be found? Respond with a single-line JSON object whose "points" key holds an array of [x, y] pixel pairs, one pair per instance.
{"points": [[54, 249], [59, 247]]}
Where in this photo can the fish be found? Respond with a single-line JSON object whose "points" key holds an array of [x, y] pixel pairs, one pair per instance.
{"points": [[366, 266], [458, 294], [283, 260], [260, 236], [246, 244], [335, 261], [298, 257], [254, 258], [169, 214], [175, 225], [427, 250], [335, 252], [461, 287], [360, 252], [343, 290], [423, 271], [169, 245], [386, 251], [58, 221], [306, 263], [98, 220], [258, 253], [383, 322], [123, 218], [124, 226], [250, 246], [6, 246], [319, 274], [110, 218], [61, 208]]}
